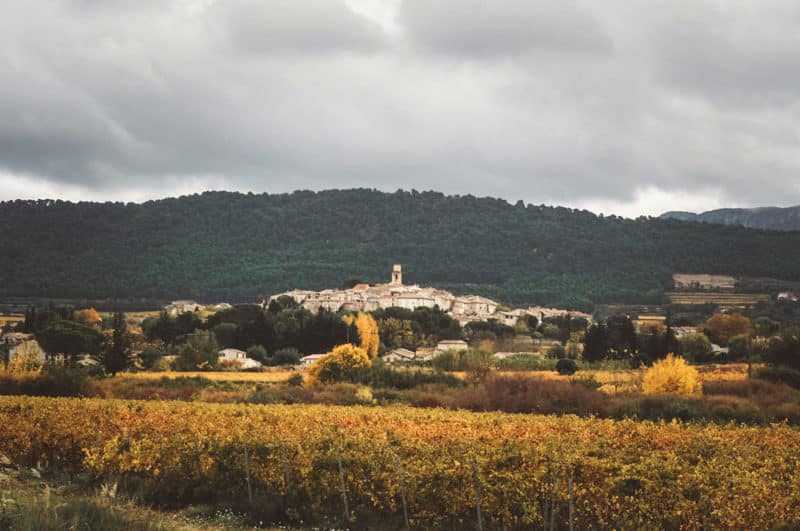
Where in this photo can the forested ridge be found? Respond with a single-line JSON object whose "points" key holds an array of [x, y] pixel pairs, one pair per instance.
{"points": [[238, 247]]}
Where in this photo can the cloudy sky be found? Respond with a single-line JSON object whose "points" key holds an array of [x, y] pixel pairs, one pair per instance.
{"points": [[620, 106]]}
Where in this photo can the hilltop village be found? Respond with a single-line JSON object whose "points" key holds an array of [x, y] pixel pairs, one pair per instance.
{"points": [[395, 294]]}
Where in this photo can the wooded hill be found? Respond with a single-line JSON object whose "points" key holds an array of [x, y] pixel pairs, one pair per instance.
{"points": [[238, 247]]}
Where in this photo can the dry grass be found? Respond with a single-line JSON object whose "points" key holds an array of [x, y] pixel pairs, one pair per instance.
{"points": [[278, 376]]}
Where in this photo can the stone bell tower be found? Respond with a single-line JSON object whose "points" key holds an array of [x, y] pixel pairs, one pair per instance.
{"points": [[397, 275]]}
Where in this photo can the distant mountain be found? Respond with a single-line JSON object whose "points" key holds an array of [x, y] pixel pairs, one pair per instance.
{"points": [[223, 246], [772, 218]]}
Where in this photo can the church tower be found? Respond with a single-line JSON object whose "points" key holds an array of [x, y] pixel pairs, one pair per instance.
{"points": [[397, 275]]}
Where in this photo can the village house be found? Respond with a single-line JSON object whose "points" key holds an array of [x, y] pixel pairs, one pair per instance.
{"points": [[238, 357], [399, 355], [232, 354], [305, 361], [510, 318], [681, 331], [451, 344], [685, 281], [178, 307]]}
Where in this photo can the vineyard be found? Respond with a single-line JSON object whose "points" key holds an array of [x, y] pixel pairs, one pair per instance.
{"points": [[436, 467]]}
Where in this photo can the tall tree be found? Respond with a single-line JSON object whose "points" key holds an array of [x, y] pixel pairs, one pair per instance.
{"points": [[595, 343], [70, 339], [117, 356]]}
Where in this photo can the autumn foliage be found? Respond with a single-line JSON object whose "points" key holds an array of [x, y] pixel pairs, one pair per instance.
{"points": [[26, 360], [88, 316], [368, 338], [672, 376], [338, 364], [721, 327]]}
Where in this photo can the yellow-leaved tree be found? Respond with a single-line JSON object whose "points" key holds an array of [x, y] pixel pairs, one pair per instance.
{"points": [[672, 376], [338, 364], [89, 316], [368, 337], [25, 359]]}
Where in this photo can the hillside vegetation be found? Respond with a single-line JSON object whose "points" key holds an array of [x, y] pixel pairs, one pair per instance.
{"points": [[238, 247]]}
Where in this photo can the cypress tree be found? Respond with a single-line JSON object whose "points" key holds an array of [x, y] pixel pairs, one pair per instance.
{"points": [[117, 356]]}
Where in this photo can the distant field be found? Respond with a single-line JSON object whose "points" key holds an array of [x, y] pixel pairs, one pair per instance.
{"points": [[723, 299], [628, 380], [268, 376], [611, 381], [11, 319]]}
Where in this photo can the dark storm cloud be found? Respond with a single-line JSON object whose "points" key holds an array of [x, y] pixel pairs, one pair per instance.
{"points": [[622, 106]]}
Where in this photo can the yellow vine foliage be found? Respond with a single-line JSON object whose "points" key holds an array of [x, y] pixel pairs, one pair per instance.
{"points": [[623, 474], [336, 365], [673, 376]]}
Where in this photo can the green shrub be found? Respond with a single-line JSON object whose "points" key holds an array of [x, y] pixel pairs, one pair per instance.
{"points": [[655, 408], [479, 364], [295, 380], [556, 351], [285, 356], [451, 360], [379, 375], [150, 357], [258, 353], [739, 347], [526, 362], [785, 349], [566, 366], [201, 352], [53, 381]]}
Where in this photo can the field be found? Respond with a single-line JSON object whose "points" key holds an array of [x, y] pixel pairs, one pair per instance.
{"points": [[721, 299], [10, 319], [519, 471]]}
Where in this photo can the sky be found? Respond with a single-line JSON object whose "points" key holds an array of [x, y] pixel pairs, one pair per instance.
{"points": [[628, 107]]}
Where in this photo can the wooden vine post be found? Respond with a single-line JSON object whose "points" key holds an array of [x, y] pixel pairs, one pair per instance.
{"points": [[247, 474], [402, 489], [477, 494], [344, 487]]}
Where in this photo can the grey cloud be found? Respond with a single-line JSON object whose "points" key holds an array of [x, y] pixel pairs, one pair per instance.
{"points": [[502, 27], [288, 25], [573, 102], [748, 55]]}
